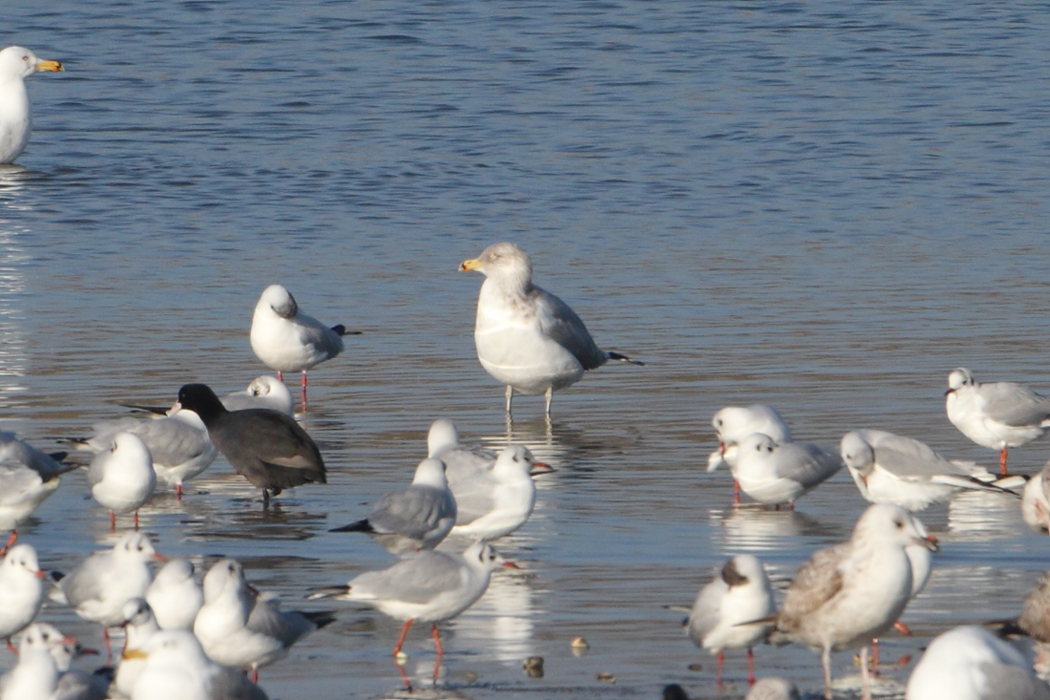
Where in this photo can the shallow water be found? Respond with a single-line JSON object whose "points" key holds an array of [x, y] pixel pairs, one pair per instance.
{"points": [[823, 207]]}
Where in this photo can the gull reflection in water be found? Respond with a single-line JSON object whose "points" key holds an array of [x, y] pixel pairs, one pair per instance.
{"points": [[757, 528], [985, 516], [500, 624], [13, 351]]}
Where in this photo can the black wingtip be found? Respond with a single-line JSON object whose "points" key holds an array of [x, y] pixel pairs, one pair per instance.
{"points": [[357, 526], [329, 592], [623, 358], [58, 456], [321, 618], [341, 330]]}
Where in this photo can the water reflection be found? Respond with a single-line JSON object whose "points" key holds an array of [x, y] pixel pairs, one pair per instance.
{"points": [[501, 622], [984, 516], [13, 258], [753, 527]]}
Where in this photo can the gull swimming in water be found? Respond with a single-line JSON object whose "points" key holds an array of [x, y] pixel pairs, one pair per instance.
{"points": [[889, 468], [288, 340], [848, 594], [740, 594], [16, 122], [997, 415], [527, 338]]}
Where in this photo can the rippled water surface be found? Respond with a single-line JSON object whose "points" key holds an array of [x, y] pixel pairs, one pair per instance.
{"points": [[821, 206]]}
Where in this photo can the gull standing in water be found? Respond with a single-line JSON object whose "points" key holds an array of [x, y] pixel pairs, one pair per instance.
{"points": [[16, 123], [740, 594], [176, 668], [998, 415], [889, 468], [27, 477], [526, 337], [288, 340], [178, 444], [734, 423], [497, 501], [36, 675], [460, 460], [970, 663], [846, 595], [122, 477], [416, 517], [428, 587], [21, 590], [106, 580], [772, 473], [175, 596], [241, 628]]}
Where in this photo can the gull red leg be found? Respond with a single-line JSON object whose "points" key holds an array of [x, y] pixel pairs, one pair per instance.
{"points": [[437, 638], [304, 391], [1002, 461], [178, 492], [401, 639], [736, 491], [112, 521], [11, 647], [109, 650], [10, 541], [136, 521], [718, 674], [750, 666], [280, 376], [875, 653]]}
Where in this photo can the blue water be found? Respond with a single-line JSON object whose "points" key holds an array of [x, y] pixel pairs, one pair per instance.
{"points": [[821, 206]]}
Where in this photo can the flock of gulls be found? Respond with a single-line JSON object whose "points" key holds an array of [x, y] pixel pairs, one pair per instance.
{"points": [[191, 640]]}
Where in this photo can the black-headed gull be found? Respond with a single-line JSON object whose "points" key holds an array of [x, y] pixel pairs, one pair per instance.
{"points": [[16, 123], [287, 340], [496, 501], [527, 338], [997, 415], [970, 663], [460, 460], [122, 477], [416, 517], [100, 586], [241, 628], [890, 468], [1035, 501], [36, 675], [73, 683], [176, 668], [427, 587], [774, 473], [139, 625], [734, 423], [178, 444], [263, 392], [27, 477], [846, 595], [21, 590], [266, 447], [739, 595], [175, 596]]}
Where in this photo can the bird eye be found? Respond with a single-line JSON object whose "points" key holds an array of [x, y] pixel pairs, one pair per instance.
{"points": [[25, 58], [900, 524]]}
